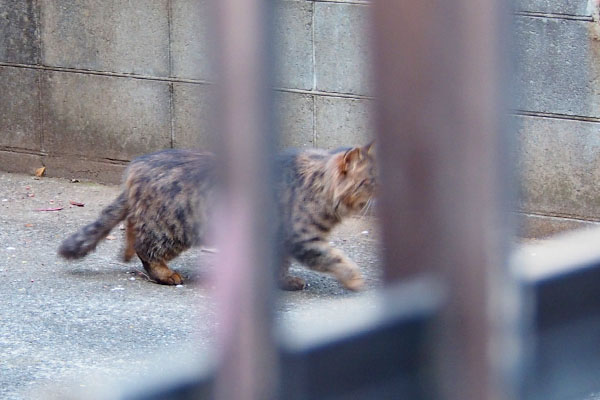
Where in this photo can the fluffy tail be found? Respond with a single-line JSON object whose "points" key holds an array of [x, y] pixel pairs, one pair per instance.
{"points": [[85, 240]]}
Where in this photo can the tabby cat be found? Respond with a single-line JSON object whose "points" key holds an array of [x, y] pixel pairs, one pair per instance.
{"points": [[167, 198]]}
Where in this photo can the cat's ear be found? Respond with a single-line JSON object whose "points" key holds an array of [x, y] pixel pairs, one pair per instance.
{"points": [[350, 157], [370, 148]]}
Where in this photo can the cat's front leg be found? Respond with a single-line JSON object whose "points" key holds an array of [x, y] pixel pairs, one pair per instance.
{"points": [[320, 256]]}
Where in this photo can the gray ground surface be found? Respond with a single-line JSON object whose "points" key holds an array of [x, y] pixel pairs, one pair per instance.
{"points": [[71, 326]]}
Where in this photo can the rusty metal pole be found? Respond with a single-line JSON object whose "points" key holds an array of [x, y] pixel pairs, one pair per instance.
{"points": [[440, 109], [245, 227]]}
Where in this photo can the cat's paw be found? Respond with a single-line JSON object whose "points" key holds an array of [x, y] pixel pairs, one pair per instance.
{"points": [[173, 279], [292, 283], [349, 276], [355, 283]]}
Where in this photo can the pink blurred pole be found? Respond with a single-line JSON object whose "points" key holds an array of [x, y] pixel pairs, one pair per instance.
{"points": [[440, 110], [248, 367]]}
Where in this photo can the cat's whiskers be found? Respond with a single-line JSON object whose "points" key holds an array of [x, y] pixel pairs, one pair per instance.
{"points": [[366, 208]]}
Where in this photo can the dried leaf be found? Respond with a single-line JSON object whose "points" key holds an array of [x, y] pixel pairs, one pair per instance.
{"points": [[28, 225], [76, 203], [40, 172], [110, 237]]}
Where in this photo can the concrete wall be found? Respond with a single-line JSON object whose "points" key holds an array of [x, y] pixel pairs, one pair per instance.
{"points": [[558, 113], [87, 85]]}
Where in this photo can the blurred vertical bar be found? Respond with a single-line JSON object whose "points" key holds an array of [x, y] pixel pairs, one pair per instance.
{"points": [[440, 120], [245, 227]]}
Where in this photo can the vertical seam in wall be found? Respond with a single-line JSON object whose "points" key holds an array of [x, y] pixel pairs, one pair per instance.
{"points": [[314, 82], [38, 6], [314, 120], [41, 111], [314, 51], [169, 27], [172, 112], [171, 84]]}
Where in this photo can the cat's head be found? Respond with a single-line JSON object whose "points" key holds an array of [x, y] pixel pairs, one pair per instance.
{"points": [[355, 181]]}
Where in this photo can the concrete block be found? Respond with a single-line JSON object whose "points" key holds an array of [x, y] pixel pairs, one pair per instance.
{"points": [[541, 226], [559, 67], [191, 53], [113, 35], [342, 122], [104, 117], [342, 50], [566, 7], [193, 113], [559, 162], [23, 163], [19, 30], [293, 44], [90, 170], [294, 119], [20, 119], [192, 56]]}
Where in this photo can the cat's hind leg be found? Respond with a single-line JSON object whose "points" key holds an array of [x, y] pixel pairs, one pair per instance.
{"points": [[320, 256], [161, 273], [129, 241], [287, 281]]}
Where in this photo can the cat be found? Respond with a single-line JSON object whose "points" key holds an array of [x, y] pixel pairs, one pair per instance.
{"points": [[167, 199]]}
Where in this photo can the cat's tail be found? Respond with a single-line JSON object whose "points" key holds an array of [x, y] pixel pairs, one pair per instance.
{"points": [[85, 240]]}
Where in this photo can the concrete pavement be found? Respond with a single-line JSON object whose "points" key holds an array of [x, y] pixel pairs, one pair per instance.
{"points": [[66, 327]]}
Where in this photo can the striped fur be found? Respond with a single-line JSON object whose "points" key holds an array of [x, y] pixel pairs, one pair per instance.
{"points": [[167, 200]]}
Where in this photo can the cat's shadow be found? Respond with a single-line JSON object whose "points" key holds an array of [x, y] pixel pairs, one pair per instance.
{"points": [[191, 276]]}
